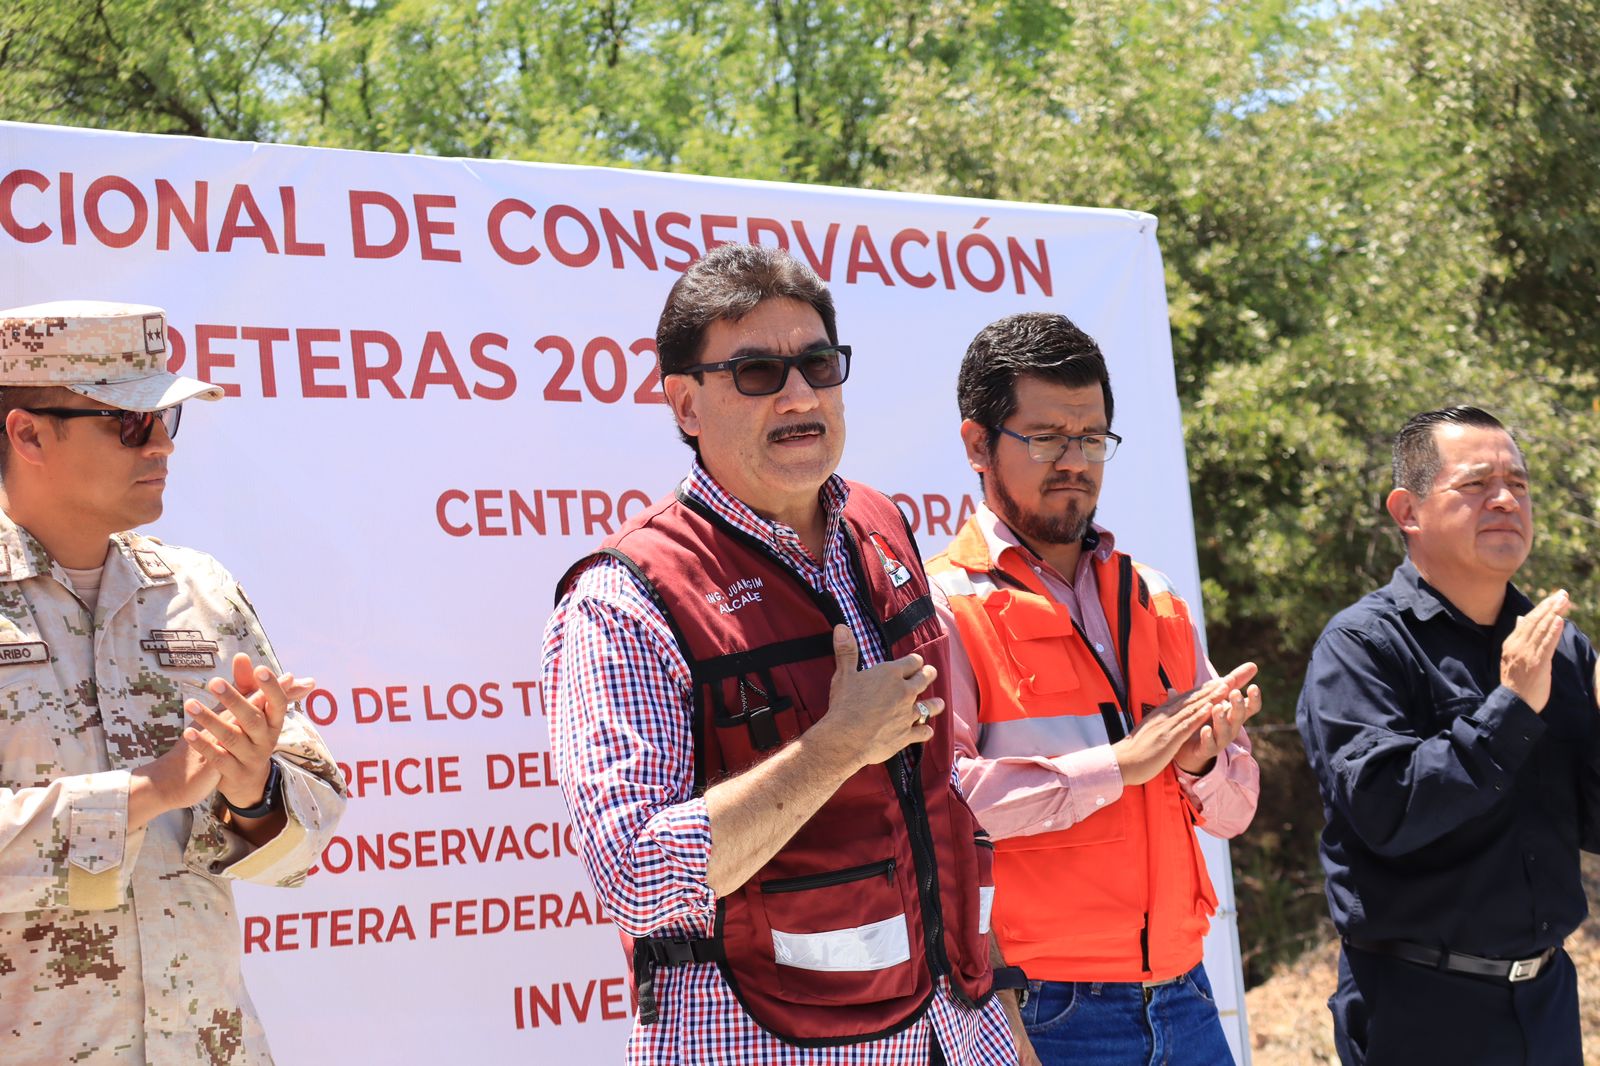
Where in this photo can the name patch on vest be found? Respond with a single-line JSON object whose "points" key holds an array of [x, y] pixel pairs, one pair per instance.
{"points": [[741, 593], [182, 648], [33, 651]]}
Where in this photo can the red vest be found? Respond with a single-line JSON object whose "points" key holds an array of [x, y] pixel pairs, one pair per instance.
{"points": [[841, 936], [1124, 894]]}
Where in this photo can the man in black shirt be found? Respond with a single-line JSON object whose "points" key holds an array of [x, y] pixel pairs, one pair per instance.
{"points": [[1452, 726]]}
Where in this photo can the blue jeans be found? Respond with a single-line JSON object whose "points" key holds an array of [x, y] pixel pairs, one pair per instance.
{"points": [[1123, 1024]]}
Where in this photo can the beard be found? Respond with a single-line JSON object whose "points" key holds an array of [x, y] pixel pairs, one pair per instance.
{"points": [[1041, 528]]}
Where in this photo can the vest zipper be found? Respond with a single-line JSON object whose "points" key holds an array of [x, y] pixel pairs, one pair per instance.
{"points": [[836, 877], [1124, 634], [1125, 631], [909, 787], [1116, 689]]}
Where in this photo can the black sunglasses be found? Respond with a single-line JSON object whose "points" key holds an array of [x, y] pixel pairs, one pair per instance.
{"points": [[763, 375], [134, 427]]}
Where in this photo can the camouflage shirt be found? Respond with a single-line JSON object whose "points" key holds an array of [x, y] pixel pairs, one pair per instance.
{"points": [[120, 946]]}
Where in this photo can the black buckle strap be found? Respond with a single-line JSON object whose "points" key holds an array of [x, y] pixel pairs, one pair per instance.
{"points": [[762, 721], [1509, 970], [763, 726], [1012, 979], [1111, 714], [1009, 977], [900, 626], [759, 721], [651, 952]]}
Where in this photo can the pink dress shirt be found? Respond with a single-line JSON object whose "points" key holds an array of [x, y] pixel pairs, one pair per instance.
{"points": [[1018, 796]]}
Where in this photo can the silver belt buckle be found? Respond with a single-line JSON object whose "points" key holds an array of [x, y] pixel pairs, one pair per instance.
{"points": [[1525, 969]]}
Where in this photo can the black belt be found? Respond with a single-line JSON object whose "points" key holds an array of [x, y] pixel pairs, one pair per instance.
{"points": [[1512, 970]]}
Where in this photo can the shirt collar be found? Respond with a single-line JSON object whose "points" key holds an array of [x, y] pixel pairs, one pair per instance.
{"points": [[22, 557], [1413, 593], [21, 554], [1100, 542], [703, 487]]}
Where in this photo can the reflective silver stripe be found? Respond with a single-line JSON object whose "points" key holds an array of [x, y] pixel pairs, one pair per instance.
{"points": [[1154, 580], [954, 582], [985, 905], [865, 947], [958, 582], [1046, 737]]}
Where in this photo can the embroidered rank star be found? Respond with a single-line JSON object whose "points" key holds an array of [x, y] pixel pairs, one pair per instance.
{"points": [[182, 648], [152, 564]]}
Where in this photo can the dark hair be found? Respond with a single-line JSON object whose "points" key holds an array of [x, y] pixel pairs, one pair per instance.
{"points": [[731, 281], [1046, 345], [15, 396], [1416, 451]]}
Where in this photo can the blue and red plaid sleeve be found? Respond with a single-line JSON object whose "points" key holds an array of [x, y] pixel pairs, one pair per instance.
{"points": [[618, 692]]}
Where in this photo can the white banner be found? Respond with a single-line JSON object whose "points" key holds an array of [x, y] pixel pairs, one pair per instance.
{"points": [[443, 392]]}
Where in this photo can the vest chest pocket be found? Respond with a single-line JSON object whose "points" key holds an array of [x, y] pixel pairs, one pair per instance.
{"points": [[1037, 635], [840, 936]]}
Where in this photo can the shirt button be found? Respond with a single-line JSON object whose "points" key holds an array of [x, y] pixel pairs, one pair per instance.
{"points": [[1099, 646], [1544, 925], [1099, 801], [1048, 822]]}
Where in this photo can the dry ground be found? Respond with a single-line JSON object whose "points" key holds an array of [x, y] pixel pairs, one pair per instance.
{"points": [[1289, 1020]]}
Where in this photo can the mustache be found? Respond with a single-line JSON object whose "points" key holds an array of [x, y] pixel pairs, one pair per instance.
{"points": [[1069, 481], [799, 429]]}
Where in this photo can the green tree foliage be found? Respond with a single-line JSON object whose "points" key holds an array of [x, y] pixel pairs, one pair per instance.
{"points": [[1366, 209]]}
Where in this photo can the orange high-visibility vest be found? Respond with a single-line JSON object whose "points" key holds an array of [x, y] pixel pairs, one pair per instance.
{"points": [[1124, 894]]}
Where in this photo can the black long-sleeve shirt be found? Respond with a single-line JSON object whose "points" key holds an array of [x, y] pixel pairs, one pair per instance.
{"points": [[1454, 812]]}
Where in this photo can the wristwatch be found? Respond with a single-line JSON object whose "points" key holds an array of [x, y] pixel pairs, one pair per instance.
{"points": [[269, 796]]}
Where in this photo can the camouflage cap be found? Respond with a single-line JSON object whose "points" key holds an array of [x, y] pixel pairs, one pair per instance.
{"points": [[111, 352]]}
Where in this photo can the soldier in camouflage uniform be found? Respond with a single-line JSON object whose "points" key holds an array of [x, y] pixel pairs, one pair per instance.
{"points": [[126, 805]]}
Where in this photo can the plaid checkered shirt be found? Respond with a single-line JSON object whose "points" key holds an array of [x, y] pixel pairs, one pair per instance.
{"points": [[620, 702]]}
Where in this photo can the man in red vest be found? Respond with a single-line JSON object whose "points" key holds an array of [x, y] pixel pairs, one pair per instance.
{"points": [[1086, 769], [745, 686]]}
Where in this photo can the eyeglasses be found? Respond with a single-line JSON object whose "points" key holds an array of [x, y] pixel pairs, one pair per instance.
{"points": [[763, 375], [134, 427], [1050, 447]]}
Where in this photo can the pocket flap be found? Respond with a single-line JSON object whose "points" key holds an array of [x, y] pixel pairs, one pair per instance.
{"points": [[1038, 630], [1029, 617], [97, 840]]}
